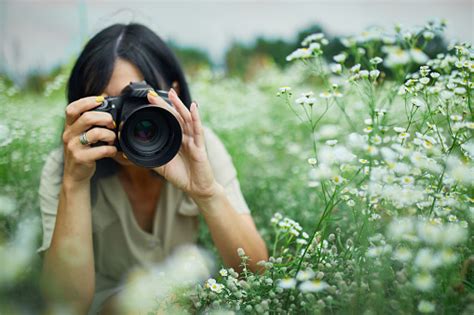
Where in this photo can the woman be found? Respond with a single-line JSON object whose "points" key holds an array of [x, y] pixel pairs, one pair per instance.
{"points": [[101, 213]]}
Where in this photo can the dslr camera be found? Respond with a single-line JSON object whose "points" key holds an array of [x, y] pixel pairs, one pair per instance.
{"points": [[149, 135]]}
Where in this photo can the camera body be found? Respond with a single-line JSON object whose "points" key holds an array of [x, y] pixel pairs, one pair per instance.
{"points": [[149, 135]]}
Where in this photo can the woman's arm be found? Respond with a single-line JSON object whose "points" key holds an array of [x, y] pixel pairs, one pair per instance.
{"points": [[192, 172], [231, 230], [68, 275]]}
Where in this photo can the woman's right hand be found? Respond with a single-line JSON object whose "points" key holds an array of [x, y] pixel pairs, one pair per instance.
{"points": [[79, 159]]}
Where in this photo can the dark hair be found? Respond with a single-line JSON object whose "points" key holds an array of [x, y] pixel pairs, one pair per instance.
{"points": [[137, 44]]}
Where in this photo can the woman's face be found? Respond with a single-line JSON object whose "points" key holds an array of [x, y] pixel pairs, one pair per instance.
{"points": [[124, 72]]}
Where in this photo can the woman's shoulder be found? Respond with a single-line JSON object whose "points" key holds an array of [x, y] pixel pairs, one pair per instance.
{"points": [[53, 165], [51, 178]]}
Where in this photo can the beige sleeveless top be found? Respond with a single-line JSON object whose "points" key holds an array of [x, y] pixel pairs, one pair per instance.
{"points": [[119, 242]]}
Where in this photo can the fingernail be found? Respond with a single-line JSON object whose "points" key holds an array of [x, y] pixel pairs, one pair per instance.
{"points": [[124, 156], [115, 125], [173, 91], [99, 99], [197, 105], [152, 93]]}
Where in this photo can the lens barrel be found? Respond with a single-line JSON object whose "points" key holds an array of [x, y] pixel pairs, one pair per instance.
{"points": [[150, 136]]}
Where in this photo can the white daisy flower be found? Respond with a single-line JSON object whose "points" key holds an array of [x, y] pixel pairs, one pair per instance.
{"points": [[304, 275], [213, 285], [425, 80], [395, 56], [312, 161], [284, 89], [418, 56], [325, 95], [402, 254], [424, 282], [335, 68], [337, 179], [427, 260], [426, 307], [287, 283], [374, 74], [407, 180], [340, 58], [300, 53], [376, 60], [313, 286]]}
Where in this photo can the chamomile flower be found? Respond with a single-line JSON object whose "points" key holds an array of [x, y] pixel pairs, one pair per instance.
{"points": [[284, 90], [368, 129], [340, 58], [312, 161], [424, 282], [395, 56], [376, 60], [418, 56], [287, 283], [407, 180], [425, 80], [304, 275], [402, 254], [374, 74], [313, 286], [312, 38], [214, 286], [426, 307], [325, 95], [336, 68], [300, 53], [416, 102], [337, 179], [427, 260]]}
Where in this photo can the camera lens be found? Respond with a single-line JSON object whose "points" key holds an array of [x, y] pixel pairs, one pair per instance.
{"points": [[145, 131], [151, 136]]}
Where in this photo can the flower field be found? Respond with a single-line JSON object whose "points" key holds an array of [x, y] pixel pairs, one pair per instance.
{"points": [[358, 173]]}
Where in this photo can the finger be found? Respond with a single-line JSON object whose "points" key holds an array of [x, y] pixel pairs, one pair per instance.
{"points": [[197, 125], [160, 170], [75, 109], [157, 100], [97, 134], [90, 119], [90, 154], [183, 111]]}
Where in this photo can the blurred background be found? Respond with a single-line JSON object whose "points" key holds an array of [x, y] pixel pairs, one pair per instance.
{"points": [[38, 36], [234, 55]]}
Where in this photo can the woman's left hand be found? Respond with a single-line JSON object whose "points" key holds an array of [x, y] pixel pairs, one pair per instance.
{"points": [[190, 169]]}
